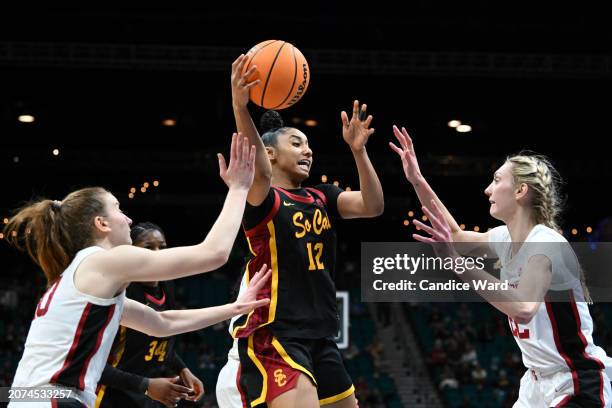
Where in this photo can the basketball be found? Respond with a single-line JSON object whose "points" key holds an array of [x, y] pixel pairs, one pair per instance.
{"points": [[283, 72]]}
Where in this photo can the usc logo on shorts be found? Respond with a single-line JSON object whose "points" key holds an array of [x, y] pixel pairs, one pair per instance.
{"points": [[279, 377]]}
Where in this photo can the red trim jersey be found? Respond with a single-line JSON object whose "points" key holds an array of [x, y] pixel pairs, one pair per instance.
{"points": [[70, 337], [560, 335], [138, 353], [293, 233]]}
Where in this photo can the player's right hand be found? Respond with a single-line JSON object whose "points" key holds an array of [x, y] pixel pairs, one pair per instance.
{"points": [[241, 169], [167, 391], [407, 154], [240, 85]]}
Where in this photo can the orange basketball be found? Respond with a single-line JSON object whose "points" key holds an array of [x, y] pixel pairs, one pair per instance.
{"points": [[283, 72]]}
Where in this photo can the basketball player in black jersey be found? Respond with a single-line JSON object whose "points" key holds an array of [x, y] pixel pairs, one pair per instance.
{"points": [[143, 369], [287, 354]]}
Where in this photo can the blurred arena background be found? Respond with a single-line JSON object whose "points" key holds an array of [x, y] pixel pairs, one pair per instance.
{"points": [[138, 98]]}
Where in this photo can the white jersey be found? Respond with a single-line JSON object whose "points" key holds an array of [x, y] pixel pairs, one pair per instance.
{"points": [[227, 392], [559, 337], [70, 337]]}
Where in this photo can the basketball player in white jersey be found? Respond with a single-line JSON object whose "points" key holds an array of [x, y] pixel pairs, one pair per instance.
{"points": [[564, 367], [227, 392], [83, 246], [228, 395]]}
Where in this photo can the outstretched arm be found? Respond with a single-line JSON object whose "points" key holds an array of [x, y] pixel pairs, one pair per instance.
{"points": [[369, 200], [244, 123], [520, 303], [126, 263], [171, 322], [426, 194]]}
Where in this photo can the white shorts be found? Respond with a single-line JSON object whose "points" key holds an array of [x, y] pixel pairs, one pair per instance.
{"points": [[537, 391], [227, 392]]}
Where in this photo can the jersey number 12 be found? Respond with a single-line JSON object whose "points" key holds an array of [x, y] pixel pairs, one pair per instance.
{"points": [[315, 263]]}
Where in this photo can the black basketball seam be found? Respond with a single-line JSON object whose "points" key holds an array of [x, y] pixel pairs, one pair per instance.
{"points": [[294, 78], [263, 94], [259, 49]]}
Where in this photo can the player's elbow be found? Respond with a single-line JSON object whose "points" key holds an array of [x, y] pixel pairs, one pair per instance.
{"points": [[215, 255], [378, 209], [221, 257], [159, 326], [375, 209], [168, 324], [263, 175], [525, 311]]}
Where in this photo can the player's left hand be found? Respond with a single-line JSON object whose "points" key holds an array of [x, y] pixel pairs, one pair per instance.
{"points": [[357, 130], [240, 172], [193, 382], [248, 301]]}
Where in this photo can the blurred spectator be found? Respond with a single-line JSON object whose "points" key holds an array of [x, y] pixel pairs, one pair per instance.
{"points": [[479, 374], [448, 379], [503, 382], [8, 298], [376, 349], [464, 314], [469, 356], [437, 356]]}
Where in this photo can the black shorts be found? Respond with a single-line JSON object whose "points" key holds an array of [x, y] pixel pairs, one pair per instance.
{"points": [[270, 366]]}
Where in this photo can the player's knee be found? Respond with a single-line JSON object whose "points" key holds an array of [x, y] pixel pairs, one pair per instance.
{"points": [[303, 395]]}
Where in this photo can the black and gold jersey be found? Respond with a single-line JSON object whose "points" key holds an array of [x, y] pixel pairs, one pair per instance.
{"points": [[292, 232], [138, 353]]}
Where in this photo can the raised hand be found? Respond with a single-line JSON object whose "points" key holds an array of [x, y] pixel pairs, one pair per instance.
{"points": [[248, 300], [240, 81], [407, 154], [356, 131], [241, 169]]}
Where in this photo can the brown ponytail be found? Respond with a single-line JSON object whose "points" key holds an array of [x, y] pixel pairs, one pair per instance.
{"points": [[52, 232]]}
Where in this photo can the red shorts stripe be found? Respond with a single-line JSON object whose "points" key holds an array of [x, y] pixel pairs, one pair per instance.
{"points": [[242, 395]]}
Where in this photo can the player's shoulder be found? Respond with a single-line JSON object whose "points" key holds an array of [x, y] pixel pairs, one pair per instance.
{"points": [[326, 188], [542, 233], [499, 234]]}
